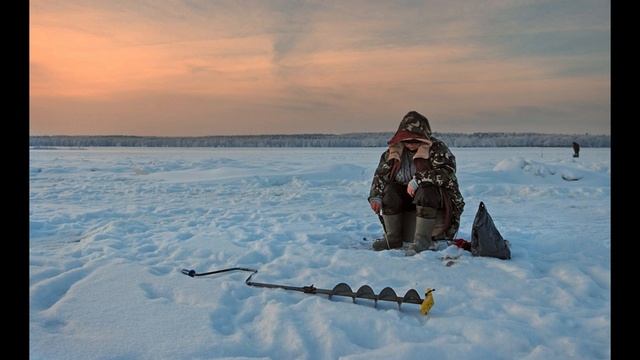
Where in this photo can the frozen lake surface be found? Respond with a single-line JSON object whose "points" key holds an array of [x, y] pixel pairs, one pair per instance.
{"points": [[111, 228]]}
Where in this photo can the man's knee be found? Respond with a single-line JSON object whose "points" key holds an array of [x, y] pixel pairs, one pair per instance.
{"points": [[392, 205], [395, 201], [429, 197]]}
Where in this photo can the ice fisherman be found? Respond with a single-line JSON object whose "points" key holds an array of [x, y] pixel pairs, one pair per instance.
{"points": [[576, 149], [416, 189]]}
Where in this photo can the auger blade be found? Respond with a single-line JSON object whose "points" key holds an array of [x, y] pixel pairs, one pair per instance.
{"points": [[366, 292], [343, 289], [388, 294], [412, 297]]}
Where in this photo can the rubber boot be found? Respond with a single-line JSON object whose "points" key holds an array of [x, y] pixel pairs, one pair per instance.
{"points": [[422, 240], [393, 237], [408, 226]]}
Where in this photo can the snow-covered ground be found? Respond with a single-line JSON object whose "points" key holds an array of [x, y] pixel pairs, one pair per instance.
{"points": [[111, 228]]}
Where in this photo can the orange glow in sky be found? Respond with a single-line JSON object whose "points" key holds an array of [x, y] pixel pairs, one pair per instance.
{"points": [[173, 68]]}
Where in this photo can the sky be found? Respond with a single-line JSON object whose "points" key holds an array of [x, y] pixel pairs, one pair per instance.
{"points": [[198, 68]]}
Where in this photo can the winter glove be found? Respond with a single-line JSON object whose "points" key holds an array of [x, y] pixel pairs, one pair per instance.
{"points": [[412, 187], [376, 205]]}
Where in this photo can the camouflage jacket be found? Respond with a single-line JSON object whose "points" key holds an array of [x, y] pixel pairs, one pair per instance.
{"points": [[442, 173]]}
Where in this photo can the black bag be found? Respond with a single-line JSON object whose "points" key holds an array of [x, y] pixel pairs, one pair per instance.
{"points": [[485, 238]]}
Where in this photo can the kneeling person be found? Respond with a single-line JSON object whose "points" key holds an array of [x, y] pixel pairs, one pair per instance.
{"points": [[416, 189]]}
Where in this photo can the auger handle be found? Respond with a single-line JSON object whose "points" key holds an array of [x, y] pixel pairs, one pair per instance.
{"points": [[193, 273]]}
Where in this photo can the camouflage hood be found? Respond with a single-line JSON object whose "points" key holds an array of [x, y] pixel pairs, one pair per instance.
{"points": [[413, 126]]}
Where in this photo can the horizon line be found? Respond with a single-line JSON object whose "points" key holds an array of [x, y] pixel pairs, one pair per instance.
{"points": [[315, 134]]}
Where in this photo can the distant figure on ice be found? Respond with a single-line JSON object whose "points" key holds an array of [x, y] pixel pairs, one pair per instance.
{"points": [[416, 188], [576, 149]]}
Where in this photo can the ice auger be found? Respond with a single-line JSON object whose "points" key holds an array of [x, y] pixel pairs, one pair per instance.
{"points": [[342, 289]]}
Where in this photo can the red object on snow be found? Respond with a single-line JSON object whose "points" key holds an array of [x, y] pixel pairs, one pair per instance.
{"points": [[462, 243]]}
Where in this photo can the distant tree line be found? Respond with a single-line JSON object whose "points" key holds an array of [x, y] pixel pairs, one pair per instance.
{"points": [[323, 140]]}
